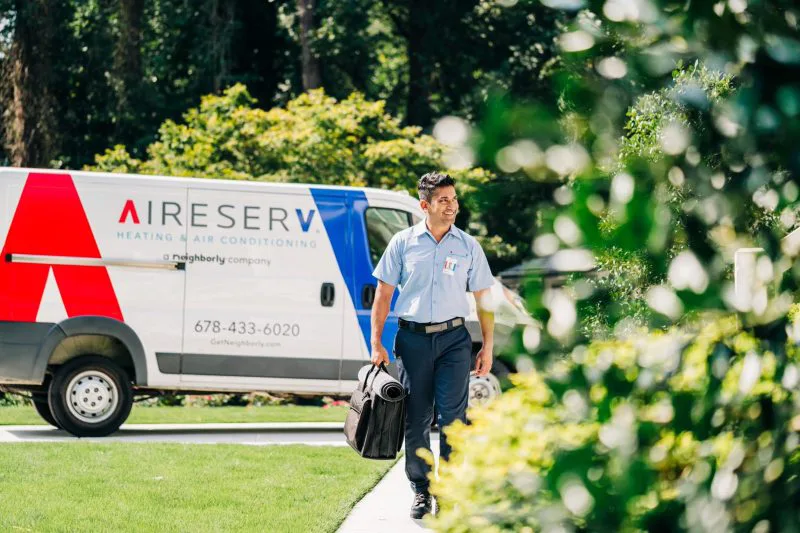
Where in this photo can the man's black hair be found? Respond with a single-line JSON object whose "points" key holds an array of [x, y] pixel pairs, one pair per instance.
{"points": [[432, 181]]}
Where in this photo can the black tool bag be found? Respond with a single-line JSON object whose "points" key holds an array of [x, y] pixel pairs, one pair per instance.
{"points": [[376, 421]]}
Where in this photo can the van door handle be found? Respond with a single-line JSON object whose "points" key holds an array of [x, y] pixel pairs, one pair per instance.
{"points": [[368, 296], [327, 294]]}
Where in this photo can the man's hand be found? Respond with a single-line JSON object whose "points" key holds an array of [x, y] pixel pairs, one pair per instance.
{"points": [[379, 355], [483, 362]]}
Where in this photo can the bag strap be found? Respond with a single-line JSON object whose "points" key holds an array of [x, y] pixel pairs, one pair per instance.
{"points": [[381, 367], [378, 371], [366, 378]]}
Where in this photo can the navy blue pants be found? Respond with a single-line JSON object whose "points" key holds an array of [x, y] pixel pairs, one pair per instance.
{"points": [[432, 367]]}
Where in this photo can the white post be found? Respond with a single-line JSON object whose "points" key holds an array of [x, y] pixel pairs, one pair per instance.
{"points": [[746, 282]]}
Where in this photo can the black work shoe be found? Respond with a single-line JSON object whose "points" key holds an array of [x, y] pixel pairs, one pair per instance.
{"points": [[423, 504]]}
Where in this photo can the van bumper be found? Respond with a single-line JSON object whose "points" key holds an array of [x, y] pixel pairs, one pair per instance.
{"points": [[19, 346]]}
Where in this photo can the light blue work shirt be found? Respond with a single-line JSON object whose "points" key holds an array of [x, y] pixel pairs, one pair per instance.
{"points": [[433, 278]]}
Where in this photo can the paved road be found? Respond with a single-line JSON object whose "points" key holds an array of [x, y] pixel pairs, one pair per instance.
{"points": [[320, 434]]}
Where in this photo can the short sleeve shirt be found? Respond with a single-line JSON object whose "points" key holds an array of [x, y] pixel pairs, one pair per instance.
{"points": [[433, 278]]}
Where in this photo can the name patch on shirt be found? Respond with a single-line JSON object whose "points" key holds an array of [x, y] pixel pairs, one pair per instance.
{"points": [[450, 266]]}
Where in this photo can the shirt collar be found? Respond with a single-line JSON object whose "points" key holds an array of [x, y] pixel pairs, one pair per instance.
{"points": [[421, 227]]}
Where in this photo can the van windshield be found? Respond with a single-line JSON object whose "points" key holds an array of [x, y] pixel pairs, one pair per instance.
{"points": [[382, 224]]}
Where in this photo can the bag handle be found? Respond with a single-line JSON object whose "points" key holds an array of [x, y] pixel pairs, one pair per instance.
{"points": [[378, 370], [363, 386]]}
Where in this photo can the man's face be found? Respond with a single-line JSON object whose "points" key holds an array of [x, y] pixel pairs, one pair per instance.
{"points": [[443, 207]]}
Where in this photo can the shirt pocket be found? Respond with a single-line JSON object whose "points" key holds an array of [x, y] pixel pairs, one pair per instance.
{"points": [[459, 252]]}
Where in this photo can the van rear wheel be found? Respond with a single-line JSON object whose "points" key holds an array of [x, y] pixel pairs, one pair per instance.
{"points": [[90, 396]]}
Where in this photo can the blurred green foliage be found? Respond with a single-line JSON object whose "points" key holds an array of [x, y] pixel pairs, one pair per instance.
{"points": [[652, 112], [679, 430], [624, 279], [677, 166], [665, 172], [621, 288]]}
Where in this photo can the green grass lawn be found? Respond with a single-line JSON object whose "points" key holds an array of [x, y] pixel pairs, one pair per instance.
{"points": [[194, 415], [176, 487]]}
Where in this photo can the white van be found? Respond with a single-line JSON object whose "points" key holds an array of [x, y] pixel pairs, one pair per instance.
{"points": [[112, 285]]}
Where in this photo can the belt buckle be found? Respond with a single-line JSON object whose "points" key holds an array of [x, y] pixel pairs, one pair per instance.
{"points": [[436, 328]]}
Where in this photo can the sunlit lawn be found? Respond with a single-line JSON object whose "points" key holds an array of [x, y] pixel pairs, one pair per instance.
{"points": [[194, 415], [176, 487]]}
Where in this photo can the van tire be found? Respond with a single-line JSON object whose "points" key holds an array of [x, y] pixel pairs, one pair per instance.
{"points": [[43, 408], [72, 399]]}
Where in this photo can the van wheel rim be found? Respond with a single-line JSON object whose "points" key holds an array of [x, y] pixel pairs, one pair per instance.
{"points": [[92, 396], [483, 389]]}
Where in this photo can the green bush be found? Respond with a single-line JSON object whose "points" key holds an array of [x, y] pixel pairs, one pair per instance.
{"points": [[9, 400], [668, 431], [254, 399], [314, 139]]}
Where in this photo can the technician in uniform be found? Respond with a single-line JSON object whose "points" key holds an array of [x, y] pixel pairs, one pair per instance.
{"points": [[434, 264]]}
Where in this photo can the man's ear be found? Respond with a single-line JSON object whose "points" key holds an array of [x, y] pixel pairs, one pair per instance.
{"points": [[424, 205]]}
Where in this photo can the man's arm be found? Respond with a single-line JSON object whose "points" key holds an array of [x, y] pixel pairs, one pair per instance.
{"points": [[483, 362], [380, 310], [388, 273]]}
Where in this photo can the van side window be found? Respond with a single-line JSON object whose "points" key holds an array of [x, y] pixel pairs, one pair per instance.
{"points": [[382, 224]]}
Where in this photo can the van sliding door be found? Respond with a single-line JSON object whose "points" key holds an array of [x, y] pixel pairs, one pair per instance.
{"points": [[264, 298]]}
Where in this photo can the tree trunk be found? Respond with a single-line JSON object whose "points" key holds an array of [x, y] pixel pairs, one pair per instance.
{"points": [[30, 113], [258, 52], [312, 78], [128, 67], [223, 20], [418, 110]]}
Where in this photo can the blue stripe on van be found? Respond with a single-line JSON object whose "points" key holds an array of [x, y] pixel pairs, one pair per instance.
{"points": [[346, 230], [363, 274]]}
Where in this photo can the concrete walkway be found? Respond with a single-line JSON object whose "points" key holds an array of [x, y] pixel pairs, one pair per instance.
{"points": [[385, 509], [255, 434]]}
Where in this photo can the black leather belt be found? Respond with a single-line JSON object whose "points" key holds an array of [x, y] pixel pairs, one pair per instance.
{"points": [[431, 327]]}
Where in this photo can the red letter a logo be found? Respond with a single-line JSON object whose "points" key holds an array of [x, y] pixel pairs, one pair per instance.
{"points": [[129, 209], [50, 221]]}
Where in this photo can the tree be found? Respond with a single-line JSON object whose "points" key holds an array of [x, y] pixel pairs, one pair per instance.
{"points": [[124, 66], [312, 78], [430, 60], [118, 68], [128, 69], [29, 95]]}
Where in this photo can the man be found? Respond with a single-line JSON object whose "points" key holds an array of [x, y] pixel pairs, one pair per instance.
{"points": [[434, 264]]}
